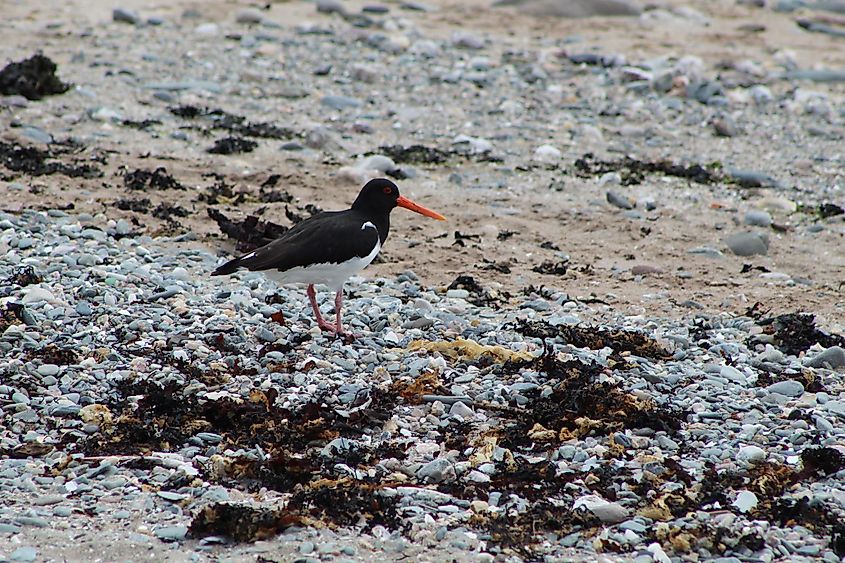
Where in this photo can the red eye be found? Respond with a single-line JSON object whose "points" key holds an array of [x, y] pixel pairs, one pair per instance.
{"points": [[388, 190]]}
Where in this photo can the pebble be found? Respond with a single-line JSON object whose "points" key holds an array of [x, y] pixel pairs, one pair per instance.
{"points": [[733, 374], [440, 470], [340, 102], [745, 501], [725, 126], [751, 454], [833, 357], [619, 201], [36, 294], [466, 40], [37, 135], [752, 179], [788, 388], [836, 407], [47, 500], [461, 409], [207, 28], [84, 308], [330, 7], [607, 512], [123, 15], [249, 16], [748, 244], [171, 533], [46, 370], [758, 218], [24, 553], [547, 154]]}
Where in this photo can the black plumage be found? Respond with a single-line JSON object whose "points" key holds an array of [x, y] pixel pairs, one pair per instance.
{"points": [[330, 237]]}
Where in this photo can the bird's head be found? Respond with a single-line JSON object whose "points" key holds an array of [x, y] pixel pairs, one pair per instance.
{"points": [[381, 196]]}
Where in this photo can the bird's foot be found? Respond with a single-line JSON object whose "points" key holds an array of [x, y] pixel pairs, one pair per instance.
{"points": [[328, 327], [347, 337]]}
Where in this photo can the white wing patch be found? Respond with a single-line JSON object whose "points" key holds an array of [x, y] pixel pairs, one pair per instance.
{"points": [[250, 255], [367, 225]]}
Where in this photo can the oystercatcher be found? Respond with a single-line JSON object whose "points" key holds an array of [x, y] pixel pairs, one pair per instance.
{"points": [[330, 247]]}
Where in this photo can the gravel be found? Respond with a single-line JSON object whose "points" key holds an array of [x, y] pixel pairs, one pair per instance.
{"points": [[732, 420]]}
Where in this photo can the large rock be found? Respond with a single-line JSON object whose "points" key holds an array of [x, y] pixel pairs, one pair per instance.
{"points": [[574, 8]]}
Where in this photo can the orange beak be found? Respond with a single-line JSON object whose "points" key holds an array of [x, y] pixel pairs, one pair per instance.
{"points": [[408, 204]]}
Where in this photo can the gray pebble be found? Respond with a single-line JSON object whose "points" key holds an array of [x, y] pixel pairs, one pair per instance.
{"points": [[788, 388], [33, 521], [725, 126], [265, 335], [48, 369], [249, 16], [330, 7], [748, 244], [465, 40], [47, 500], [833, 357], [462, 410], [25, 553], [37, 135], [171, 533], [123, 227], [84, 308], [752, 179], [439, 470], [340, 102], [123, 15], [758, 218]]}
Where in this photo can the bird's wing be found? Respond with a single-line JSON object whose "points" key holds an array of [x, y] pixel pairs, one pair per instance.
{"points": [[330, 237]]}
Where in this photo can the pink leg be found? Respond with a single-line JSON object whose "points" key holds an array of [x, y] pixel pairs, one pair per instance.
{"points": [[312, 296], [338, 306]]}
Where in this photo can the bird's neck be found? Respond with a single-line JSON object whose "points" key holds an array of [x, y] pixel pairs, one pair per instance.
{"points": [[378, 218], [383, 226]]}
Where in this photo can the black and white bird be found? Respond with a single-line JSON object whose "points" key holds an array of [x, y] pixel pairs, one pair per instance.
{"points": [[330, 247]]}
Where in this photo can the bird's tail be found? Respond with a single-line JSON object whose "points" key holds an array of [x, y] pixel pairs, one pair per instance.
{"points": [[229, 267]]}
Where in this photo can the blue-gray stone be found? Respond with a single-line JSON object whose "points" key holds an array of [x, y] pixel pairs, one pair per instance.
{"points": [[124, 16], [752, 179], [748, 244], [833, 357], [172, 533], [340, 102], [206, 85], [758, 218], [816, 75], [25, 553], [37, 135], [789, 388]]}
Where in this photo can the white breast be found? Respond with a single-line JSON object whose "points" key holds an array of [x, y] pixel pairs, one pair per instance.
{"points": [[331, 275]]}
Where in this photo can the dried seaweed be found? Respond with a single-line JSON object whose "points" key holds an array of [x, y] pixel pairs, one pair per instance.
{"points": [[32, 78], [596, 338], [633, 171], [795, 333], [232, 145], [241, 522], [158, 179], [23, 276], [250, 233], [36, 162]]}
